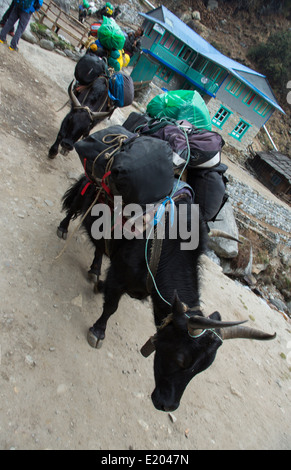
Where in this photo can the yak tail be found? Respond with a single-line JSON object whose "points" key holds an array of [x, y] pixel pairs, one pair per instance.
{"points": [[72, 200]]}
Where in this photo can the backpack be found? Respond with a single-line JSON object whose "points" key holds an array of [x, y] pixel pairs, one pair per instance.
{"points": [[135, 121], [24, 4], [139, 169], [121, 89]]}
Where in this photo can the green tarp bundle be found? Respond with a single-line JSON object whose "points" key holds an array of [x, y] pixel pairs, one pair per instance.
{"points": [[110, 34], [179, 105]]}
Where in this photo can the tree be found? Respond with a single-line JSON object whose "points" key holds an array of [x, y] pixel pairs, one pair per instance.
{"points": [[273, 59]]}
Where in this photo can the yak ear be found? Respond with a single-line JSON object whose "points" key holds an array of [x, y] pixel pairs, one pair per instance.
{"points": [[178, 307], [215, 316]]}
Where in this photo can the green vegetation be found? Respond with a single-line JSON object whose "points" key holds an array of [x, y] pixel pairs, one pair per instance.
{"points": [[42, 31], [273, 59]]}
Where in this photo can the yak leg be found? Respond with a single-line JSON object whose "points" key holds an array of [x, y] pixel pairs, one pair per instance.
{"points": [[95, 269], [96, 333], [62, 230], [54, 150]]}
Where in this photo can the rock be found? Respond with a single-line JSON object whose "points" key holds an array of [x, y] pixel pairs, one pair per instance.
{"points": [[186, 17], [64, 5], [241, 265], [226, 222], [172, 417], [29, 361], [62, 388], [49, 203], [29, 37], [78, 301], [196, 15], [278, 304], [143, 424], [69, 53], [46, 44], [212, 5]]}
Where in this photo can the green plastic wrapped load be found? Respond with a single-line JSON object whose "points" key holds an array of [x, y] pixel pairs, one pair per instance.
{"points": [[110, 34], [179, 105]]}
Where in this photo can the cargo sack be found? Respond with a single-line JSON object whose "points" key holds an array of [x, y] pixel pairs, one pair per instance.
{"points": [[121, 89], [135, 121], [210, 190], [179, 105], [88, 68], [111, 35], [93, 150], [141, 169], [205, 146]]}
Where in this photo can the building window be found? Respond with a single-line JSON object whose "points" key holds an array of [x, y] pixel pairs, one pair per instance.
{"points": [[168, 40], [276, 179], [148, 29], [200, 63], [176, 46], [249, 98], [235, 87], [221, 116], [263, 108], [240, 130], [164, 74], [185, 54]]}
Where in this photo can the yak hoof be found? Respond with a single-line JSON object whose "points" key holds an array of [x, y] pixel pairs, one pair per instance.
{"points": [[62, 233], [93, 277], [93, 340], [52, 154], [64, 151]]}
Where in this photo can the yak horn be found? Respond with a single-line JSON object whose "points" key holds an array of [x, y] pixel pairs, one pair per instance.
{"points": [[245, 332], [206, 323], [73, 97], [197, 324], [100, 114], [222, 234]]}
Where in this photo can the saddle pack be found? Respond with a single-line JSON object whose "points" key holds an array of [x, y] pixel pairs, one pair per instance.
{"points": [[138, 168], [200, 149]]}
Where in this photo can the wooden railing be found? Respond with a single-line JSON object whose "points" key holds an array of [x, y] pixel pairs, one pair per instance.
{"points": [[57, 20]]}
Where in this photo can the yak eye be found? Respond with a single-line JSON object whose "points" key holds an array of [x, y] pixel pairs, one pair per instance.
{"points": [[181, 360]]}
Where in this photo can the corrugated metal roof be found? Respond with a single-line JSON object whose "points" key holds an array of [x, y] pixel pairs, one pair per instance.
{"points": [[281, 163], [178, 28]]}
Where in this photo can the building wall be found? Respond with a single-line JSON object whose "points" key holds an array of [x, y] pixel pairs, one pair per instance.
{"points": [[236, 103], [225, 131]]}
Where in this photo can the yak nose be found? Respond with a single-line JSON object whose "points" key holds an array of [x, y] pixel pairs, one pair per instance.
{"points": [[162, 403]]}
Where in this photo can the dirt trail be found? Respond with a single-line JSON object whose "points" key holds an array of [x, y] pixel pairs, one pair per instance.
{"points": [[58, 393]]}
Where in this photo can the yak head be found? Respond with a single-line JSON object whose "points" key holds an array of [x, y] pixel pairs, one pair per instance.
{"points": [[89, 107], [185, 345]]}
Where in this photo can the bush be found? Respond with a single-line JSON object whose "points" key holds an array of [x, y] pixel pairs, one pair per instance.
{"points": [[273, 59]]}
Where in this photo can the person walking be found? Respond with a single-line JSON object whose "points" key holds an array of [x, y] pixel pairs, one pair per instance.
{"points": [[6, 16], [22, 11]]}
